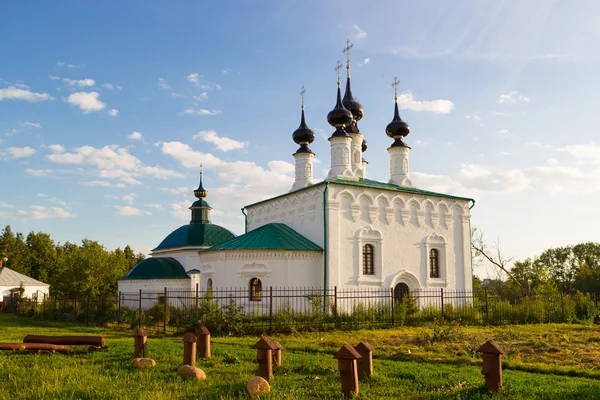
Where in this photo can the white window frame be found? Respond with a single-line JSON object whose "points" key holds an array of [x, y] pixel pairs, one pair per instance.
{"points": [[437, 242], [373, 237]]}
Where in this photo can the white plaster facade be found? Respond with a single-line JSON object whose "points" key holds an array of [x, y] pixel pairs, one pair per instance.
{"points": [[402, 226]]}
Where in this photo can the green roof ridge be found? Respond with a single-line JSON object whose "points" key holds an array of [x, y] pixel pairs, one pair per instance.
{"points": [[195, 235], [157, 268], [273, 236], [369, 183]]}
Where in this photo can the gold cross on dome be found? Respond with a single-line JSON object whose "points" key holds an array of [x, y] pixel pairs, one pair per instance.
{"points": [[302, 92], [338, 68], [395, 86], [200, 168], [347, 50]]}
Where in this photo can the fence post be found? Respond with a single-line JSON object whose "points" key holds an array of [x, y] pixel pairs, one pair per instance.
{"points": [[165, 308], [392, 300], [140, 310], [197, 310], [335, 307], [270, 309], [487, 312], [119, 309], [442, 299]]}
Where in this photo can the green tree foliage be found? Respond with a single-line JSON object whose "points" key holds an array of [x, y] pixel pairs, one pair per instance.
{"points": [[88, 269]]}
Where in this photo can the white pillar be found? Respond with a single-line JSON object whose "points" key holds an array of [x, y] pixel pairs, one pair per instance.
{"points": [[341, 167], [399, 166], [364, 169], [304, 170], [356, 154]]}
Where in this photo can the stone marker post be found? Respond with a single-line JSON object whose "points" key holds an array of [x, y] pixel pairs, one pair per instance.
{"points": [[264, 355], [189, 349], [492, 364], [347, 357], [203, 335], [140, 337], [277, 354], [365, 363]]}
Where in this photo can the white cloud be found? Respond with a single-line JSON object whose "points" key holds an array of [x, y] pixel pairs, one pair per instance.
{"points": [[179, 190], [113, 162], [73, 66], [129, 198], [177, 95], [5, 204], [162, 84], [504, 132], [135, 136], [110, 86], [365, 61], [203, 96], [587, 152], [247, 181], [13, 93], [103, 184], [158, 207], [81, 83], [60, 64], [194, 78], [38, 172], [57, 148], [201, 111], [538, 144], [359, 33], [86, 101], [113, 112], [511, 97], [29, 124], [407, 101], [13, 153], [181, 209], [221, 143], [41, 212], [128, 211]]}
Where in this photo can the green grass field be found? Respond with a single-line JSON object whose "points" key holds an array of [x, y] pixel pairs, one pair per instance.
{"points": [[544, 362]]}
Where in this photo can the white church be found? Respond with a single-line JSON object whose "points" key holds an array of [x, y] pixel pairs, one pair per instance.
{"points": [[346, 231]]}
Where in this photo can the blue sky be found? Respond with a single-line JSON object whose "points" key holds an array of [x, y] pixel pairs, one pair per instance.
{"points": [[107, 108]]}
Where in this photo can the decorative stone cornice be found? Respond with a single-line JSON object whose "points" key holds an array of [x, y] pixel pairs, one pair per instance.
{"points": [[260, 255]]}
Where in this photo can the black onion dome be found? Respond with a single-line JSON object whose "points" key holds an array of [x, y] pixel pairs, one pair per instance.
{"points": [[397, 129], [339, 117], [200, 193], [364, 145], [351, 103], [303, 135]]}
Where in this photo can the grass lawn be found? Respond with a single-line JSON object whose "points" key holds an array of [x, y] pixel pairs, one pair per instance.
{"points": [[544, 362]]}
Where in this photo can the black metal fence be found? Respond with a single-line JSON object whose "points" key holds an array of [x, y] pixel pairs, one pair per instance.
{"points": [[233, 311]]}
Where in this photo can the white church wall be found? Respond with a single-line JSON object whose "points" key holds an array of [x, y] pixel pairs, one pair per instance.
{"points": [[153, 288], [301, 211], [235, 268], [402, 228]]}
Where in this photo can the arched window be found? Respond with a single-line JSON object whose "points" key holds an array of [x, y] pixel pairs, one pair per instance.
{"points": [[368, 259], [255, 289], [434, 263], [209, 284]]}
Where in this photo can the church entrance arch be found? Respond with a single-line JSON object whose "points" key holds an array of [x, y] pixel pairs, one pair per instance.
{"points": [[400, 290]]}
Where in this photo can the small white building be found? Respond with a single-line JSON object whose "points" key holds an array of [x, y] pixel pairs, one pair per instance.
{"points": [[346, 231], [12, 281]]}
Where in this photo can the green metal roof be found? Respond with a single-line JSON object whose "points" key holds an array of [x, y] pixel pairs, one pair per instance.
{"points": [[196, 235], [369, 183], [157, 268], [274, 236]]}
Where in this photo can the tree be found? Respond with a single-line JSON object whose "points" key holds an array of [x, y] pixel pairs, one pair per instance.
{"points": [[561, 265], [493, 255], [41, 257], [14, 248]]}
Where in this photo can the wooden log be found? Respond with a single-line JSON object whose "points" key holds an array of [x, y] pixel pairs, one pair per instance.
{"points": [[34, 347], [97, 341]]}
